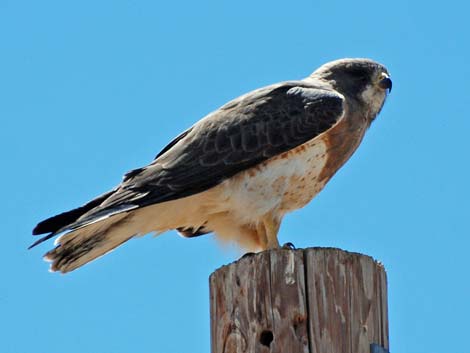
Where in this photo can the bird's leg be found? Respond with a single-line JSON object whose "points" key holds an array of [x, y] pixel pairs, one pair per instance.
{"points": [[262, 238], [271, 226]]}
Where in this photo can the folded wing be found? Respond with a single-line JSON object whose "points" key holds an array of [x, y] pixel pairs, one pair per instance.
{"points": [[239, 135]]}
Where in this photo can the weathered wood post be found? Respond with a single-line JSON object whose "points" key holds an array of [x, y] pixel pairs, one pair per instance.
{"points": [[316, 300]]}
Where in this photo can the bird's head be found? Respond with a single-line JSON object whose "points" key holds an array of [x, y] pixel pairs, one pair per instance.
{"points": [[363, 80]]}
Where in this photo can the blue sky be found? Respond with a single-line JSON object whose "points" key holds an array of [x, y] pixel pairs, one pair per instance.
{"points": [[90, 90]]}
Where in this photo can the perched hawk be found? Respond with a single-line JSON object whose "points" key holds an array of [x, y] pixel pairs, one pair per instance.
{"points": [[237, 171]]}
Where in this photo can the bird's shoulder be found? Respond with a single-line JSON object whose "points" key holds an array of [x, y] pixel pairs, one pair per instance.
{"points": [[308, 88]]}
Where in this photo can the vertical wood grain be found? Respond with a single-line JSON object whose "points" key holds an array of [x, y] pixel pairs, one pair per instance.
{"points": [[317, 300]]}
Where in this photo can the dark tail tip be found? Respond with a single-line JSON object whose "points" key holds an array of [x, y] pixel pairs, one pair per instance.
{"points": [[39, 241], [55, 223]]}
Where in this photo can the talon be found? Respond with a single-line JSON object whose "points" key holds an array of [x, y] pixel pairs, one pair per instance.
{"points": [[288, 246], [248, 254]]}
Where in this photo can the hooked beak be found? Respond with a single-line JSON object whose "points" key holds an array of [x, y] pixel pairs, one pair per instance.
{"points": [[385, 82]]}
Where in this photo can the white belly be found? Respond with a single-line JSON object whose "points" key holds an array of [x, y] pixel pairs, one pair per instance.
{"points": [[281, 184]]}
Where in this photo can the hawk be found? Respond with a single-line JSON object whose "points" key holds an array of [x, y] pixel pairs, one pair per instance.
{"points": [[237, 172]]}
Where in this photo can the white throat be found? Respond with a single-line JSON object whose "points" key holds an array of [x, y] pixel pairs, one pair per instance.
{"points": [[374, 98]]}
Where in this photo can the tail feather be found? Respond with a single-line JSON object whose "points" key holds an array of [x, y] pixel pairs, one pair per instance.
{"points": [[80, 246], [55, 223]]}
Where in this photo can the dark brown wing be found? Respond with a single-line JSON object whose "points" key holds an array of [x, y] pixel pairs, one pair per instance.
{"points": [[239, 135]]}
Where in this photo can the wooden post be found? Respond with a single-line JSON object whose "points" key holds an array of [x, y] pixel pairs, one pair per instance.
{"points": [[316, 300]]}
